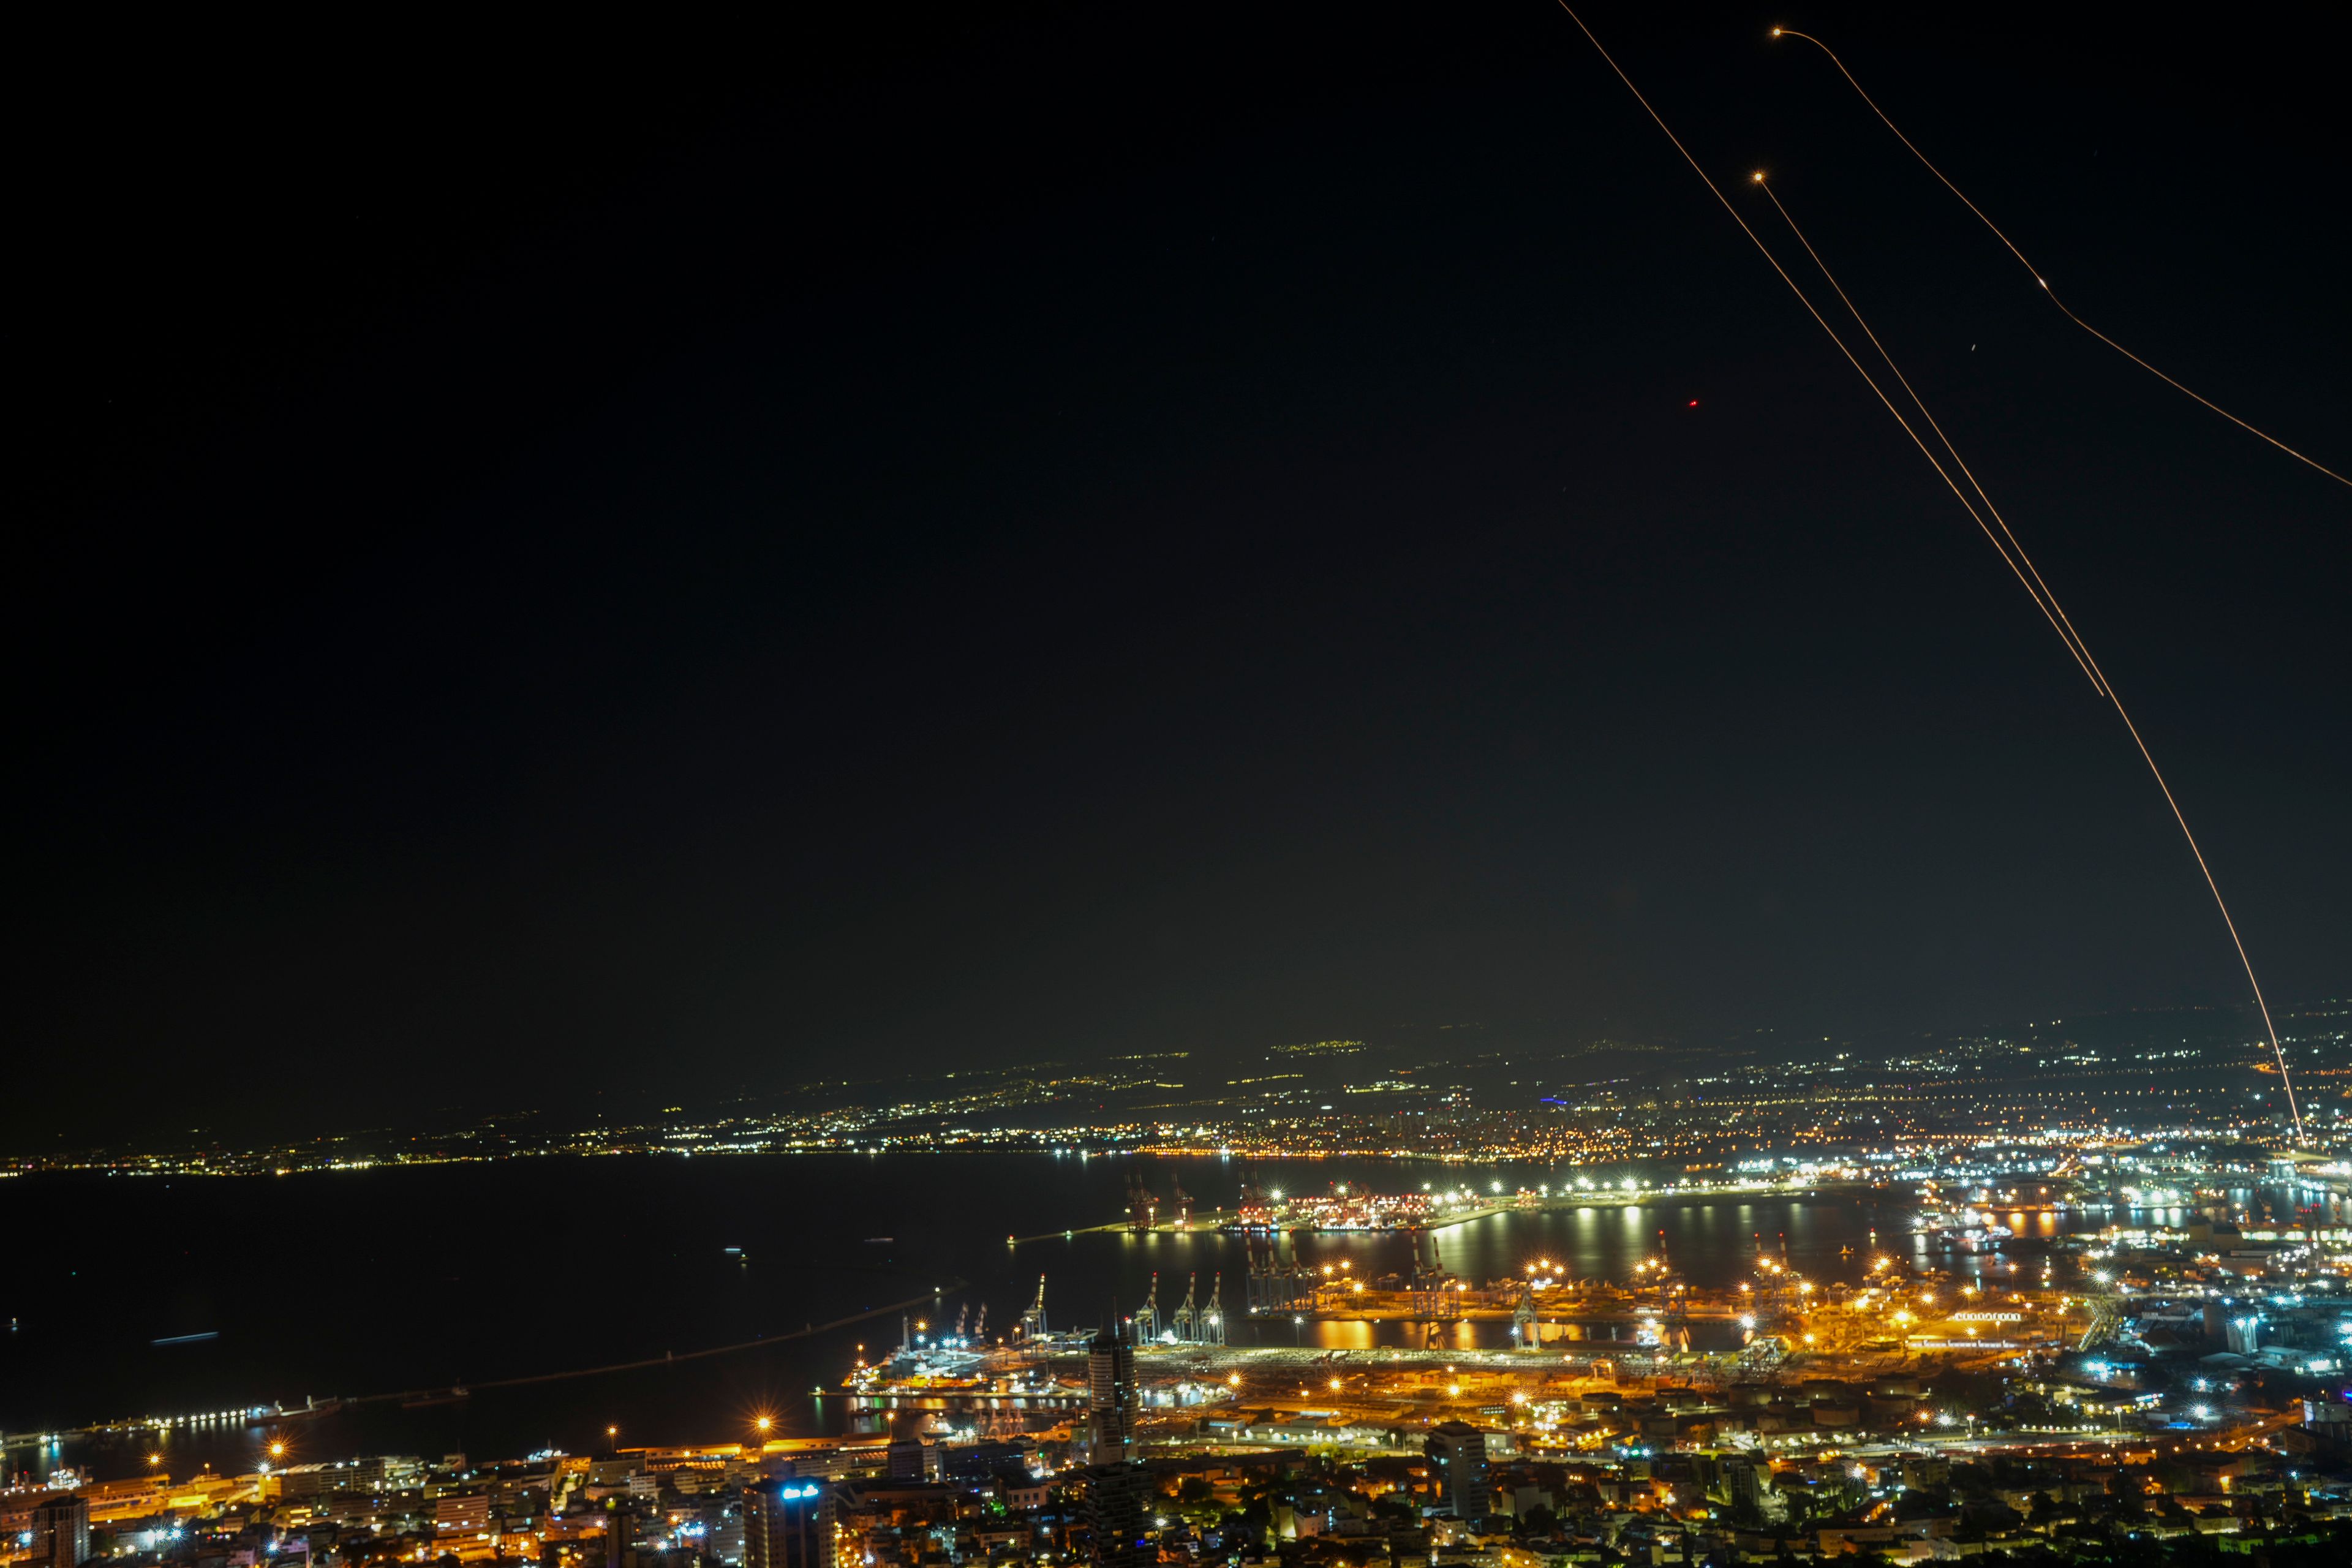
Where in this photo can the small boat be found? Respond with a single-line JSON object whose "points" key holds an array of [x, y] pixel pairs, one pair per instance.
{"points": [[880, 1240]]}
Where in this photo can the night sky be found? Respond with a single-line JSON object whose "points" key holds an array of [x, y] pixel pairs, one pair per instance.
{"points": [[550, 563]]}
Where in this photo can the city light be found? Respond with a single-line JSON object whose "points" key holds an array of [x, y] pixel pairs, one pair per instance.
{"points": [[1671, 1328]]}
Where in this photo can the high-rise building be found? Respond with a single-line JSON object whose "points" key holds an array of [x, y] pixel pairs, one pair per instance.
{"points": [[1745, 1482], [60, 1531], [1457, 1451], [1118, 1515], [462, 1516], [1110, 1384], [788, 1524]]}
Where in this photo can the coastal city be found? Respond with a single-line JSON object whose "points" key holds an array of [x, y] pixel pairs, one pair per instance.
{"points": [[2057, 1342]]}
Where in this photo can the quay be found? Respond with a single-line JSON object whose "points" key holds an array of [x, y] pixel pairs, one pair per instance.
{"points": [[1273, 1215]]}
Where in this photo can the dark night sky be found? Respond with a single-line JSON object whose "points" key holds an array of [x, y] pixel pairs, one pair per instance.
{"points": [[547, 564]]}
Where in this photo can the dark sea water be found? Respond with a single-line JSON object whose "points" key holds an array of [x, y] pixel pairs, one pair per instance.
{"points": [[365, 1282]]}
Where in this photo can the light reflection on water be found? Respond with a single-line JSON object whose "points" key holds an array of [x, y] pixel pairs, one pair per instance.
{"points": [[652, 1234]]}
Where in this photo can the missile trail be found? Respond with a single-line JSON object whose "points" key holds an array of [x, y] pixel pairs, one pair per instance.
{"points": [[2048, 606], [2057, 615], [2082, 648], [2038, 278], [2047, 612]]}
